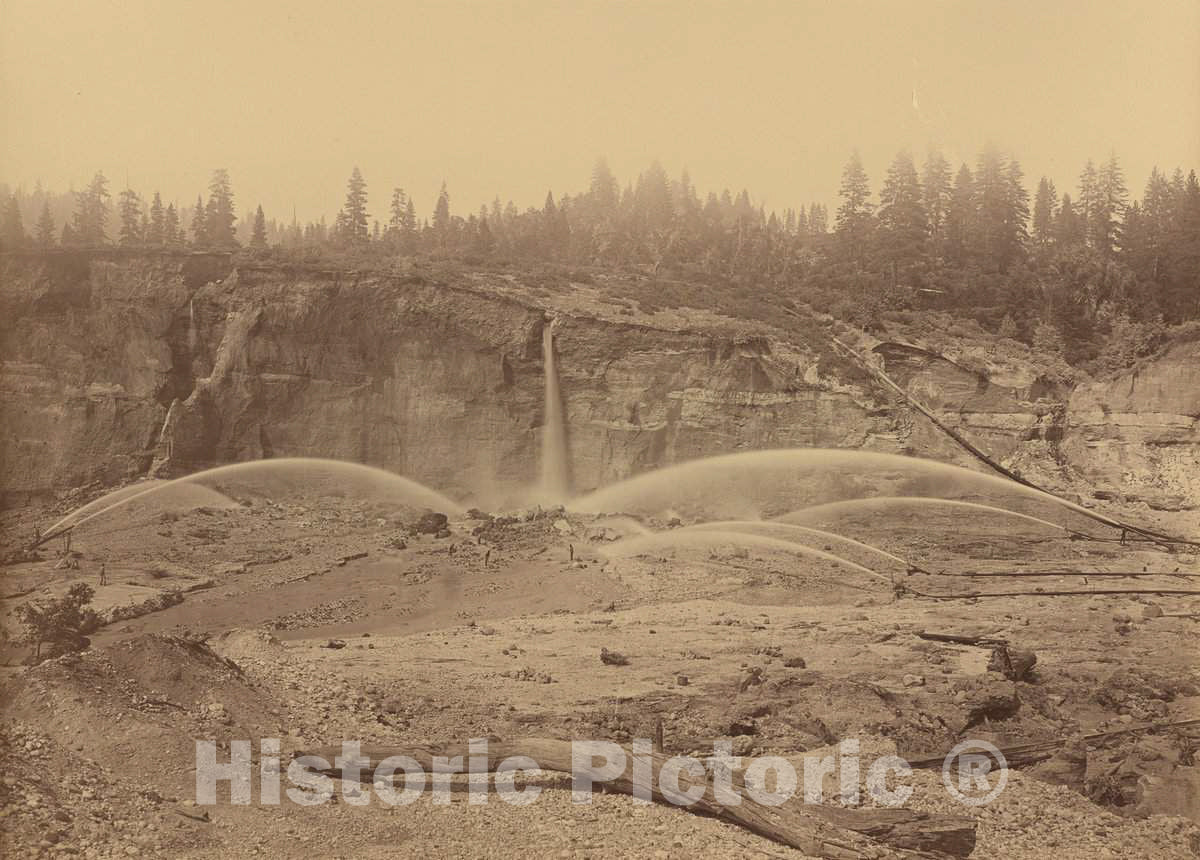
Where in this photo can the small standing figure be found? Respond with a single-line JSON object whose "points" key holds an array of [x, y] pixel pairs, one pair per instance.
{"points": [[571, 548], [487, 556], [103, 573]]}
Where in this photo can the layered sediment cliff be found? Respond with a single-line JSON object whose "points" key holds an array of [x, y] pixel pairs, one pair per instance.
{"points": [[121, 365]]}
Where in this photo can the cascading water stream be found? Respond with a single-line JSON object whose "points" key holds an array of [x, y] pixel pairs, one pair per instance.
{"points": [[555, 480]]}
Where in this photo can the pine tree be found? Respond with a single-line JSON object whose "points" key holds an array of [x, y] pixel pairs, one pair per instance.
{"points": [[156, 229], [69, 238], [937, 195], [1158, 212], [1183, 293], [604, 192], [441, 216], [961, 218], [1015, 237], [854, 216], [44, 231], [91, 213], [1069, 227], [903, 223], [818, 219], [200, 236], [1111, 198], [396, 223], [12, 230], [1045, 211], [129, 208], [355, 221], [219, 215], [991, 208], [258, 237], [1088, 202], [171, 233], [652, 200]]}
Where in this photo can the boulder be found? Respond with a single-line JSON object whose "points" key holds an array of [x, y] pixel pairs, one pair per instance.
{"points": [[430, 523]]}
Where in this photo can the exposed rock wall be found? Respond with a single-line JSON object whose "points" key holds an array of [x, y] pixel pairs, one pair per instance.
{"points": [[117, 365], [1138, 435]]}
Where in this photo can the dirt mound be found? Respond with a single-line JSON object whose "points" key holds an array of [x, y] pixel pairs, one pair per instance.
{"points": [[142, 702]]}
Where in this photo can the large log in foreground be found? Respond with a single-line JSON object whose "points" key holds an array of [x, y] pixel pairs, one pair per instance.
{"points": [[837, 833]]}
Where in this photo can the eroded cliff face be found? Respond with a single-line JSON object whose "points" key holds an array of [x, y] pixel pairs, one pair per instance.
{"points": [[120, 366], [116, 366], [1138, 436]]}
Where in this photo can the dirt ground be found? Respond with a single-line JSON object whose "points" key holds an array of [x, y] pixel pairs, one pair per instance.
{"points": [[316, 618]]}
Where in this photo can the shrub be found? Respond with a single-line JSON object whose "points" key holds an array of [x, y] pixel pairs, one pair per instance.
{"points": [[61, 623]]}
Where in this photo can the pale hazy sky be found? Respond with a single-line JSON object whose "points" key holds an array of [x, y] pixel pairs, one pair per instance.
{"points": [[515, 98]]}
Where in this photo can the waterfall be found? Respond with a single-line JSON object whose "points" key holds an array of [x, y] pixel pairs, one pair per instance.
{"points": [[554, 434], [192, 325]]}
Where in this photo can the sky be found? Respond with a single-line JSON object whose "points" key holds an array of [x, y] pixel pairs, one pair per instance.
{"points": [[513, 99]]}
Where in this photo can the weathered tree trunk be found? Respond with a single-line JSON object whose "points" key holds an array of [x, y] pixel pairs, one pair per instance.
{"points": [[837, 833]]}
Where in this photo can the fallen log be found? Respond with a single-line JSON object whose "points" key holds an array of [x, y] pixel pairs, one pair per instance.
{"points": [[982, 641], [1061, 593], [1096, 573], [821, 831], [1017, 755]]}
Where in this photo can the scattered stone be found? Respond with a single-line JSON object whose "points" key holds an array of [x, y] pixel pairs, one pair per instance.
{"points": [[613, 658], [795, 663], [1013, 663], [682, 680], [752, 678], [1066, 767], [334, 643], [1152, 610], [913, 681]]}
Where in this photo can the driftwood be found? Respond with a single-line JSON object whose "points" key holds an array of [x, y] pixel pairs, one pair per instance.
{"points": [[1018, 755], [831, 832], [1061, 593], [982, 641]]}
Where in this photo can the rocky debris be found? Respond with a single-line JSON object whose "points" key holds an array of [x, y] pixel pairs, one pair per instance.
{"points": [[1141, 693], [1152, 610], [334, 644], [1147, 776], [986, 697], [340, 611], [527, 674], [1068, 766], [795, 663], [913, 681], [613, 658], [752, 678], [154, 603], [1013, 663], [431, 523]]}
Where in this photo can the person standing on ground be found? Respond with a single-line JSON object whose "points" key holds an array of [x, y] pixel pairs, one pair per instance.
{"points": [[103, 573]]}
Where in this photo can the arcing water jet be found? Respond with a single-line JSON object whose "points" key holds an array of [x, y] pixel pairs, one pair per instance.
{"points": [[408, 490], [834, 508], [790, 532]]}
